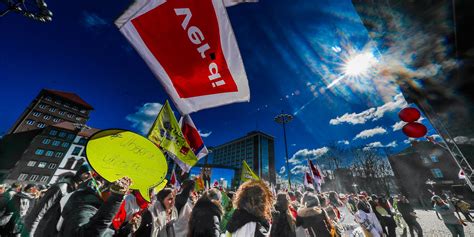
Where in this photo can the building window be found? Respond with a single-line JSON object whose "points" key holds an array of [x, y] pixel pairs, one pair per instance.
{"points": [[46, 141], [78, 118], [43, 106], [83, 111], [76, 151], [41, 125], [34, 177], [39, 152], [44, 179], [48, 98], [67, 105], [22, 177], [30, 122], [56, 143], [82, 141], [51, 166], [49, 153], [31, 163], [70, 115], [58, 154], [437, 173], [58, 102], [83, 154], [71, 136], [434, 158], [53, 132], [62, 134], [56, 120], [52, 109], [62, 112], [42, 164], [36, 114], [75, 108], [47, 117], [65, 144]]}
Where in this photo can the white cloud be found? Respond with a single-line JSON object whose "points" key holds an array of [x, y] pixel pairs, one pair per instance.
{"points": [[345, 142], [204, 134], [304, 154], [379, 145], [370, 133], [299, 169], [372, 114], [282, 170], [398, 125], [145, 116]]}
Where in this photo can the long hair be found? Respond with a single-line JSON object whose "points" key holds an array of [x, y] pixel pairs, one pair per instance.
{"points": [[254, 197], [162, 194], [334, 199]]}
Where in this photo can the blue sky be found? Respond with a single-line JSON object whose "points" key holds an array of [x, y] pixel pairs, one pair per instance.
{"points": [[293, 52]]}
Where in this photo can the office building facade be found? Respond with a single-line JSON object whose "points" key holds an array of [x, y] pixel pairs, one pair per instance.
{"points": [[256, 148]]}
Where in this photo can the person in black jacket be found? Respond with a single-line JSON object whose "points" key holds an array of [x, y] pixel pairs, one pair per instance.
{"points": [[42, 219], [409, 215], [12, 221], [88, 214], [283, 221], [184, 196], [206, 215]]}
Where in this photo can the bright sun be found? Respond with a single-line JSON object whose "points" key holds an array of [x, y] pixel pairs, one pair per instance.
{"points": [[359, 65]]}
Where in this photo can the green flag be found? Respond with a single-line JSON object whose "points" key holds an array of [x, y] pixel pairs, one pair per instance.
{"points": [[247, 173], [166, 133]]}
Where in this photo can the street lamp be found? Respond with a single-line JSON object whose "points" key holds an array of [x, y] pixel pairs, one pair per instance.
{"points": [[284, 119], [34, 9]]}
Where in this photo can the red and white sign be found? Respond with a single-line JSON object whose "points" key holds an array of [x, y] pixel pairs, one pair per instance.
{"points": [[191, 48], [191, 134]]}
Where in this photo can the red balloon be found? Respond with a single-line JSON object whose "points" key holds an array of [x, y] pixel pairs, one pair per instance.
{"points": [[409, 114], [414, 130]]}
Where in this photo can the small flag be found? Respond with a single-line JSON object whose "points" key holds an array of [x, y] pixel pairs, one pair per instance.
{"points": [[461, 174], [199, 184], [174, 181], [192, 136], [315, 175], [216, 184], [307, 180], [247, 173], [166, 134]]}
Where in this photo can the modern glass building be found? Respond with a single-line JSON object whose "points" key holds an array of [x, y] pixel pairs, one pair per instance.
{"points": [[256, 148]]}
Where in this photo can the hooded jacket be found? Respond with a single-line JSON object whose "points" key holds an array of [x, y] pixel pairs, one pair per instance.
{"points": [[42, 219], [315, 221], [86, 214], [283, 223], [244, 224], [154, 222], [13, 217], [205, 219]]}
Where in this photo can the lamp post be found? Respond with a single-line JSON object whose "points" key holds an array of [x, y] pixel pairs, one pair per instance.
{"points": [[284, 119], [34, 9]]}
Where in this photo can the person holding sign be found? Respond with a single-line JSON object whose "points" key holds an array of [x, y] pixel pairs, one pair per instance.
{"points": [[89, 213]]}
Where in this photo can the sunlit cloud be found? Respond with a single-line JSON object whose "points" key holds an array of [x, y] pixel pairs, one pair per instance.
{"points": [[204, 134], [370, 133], [144, 118], [379, 145], [305, 154], [345, 142], [371, 114]]}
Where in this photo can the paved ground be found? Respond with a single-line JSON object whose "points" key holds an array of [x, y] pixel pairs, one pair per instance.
{"points": [[433, 227]]}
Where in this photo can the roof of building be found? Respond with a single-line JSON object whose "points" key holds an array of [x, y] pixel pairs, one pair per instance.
{"points": [[85, 131], [71, 97]]}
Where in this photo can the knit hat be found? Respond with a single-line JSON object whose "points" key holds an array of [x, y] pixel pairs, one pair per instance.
{"points": [[310, 199]]}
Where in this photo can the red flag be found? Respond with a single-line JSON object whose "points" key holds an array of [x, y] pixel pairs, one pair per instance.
{"points": [[120, 217], [216, 184], [191, 48], [307, 180], [174, 182], [191, 134]]}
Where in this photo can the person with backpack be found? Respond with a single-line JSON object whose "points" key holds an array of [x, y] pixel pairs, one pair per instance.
{"points": [[42, 219]]}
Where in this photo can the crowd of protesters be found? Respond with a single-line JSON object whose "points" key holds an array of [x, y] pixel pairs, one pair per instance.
{"points": [[87, 205]]}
